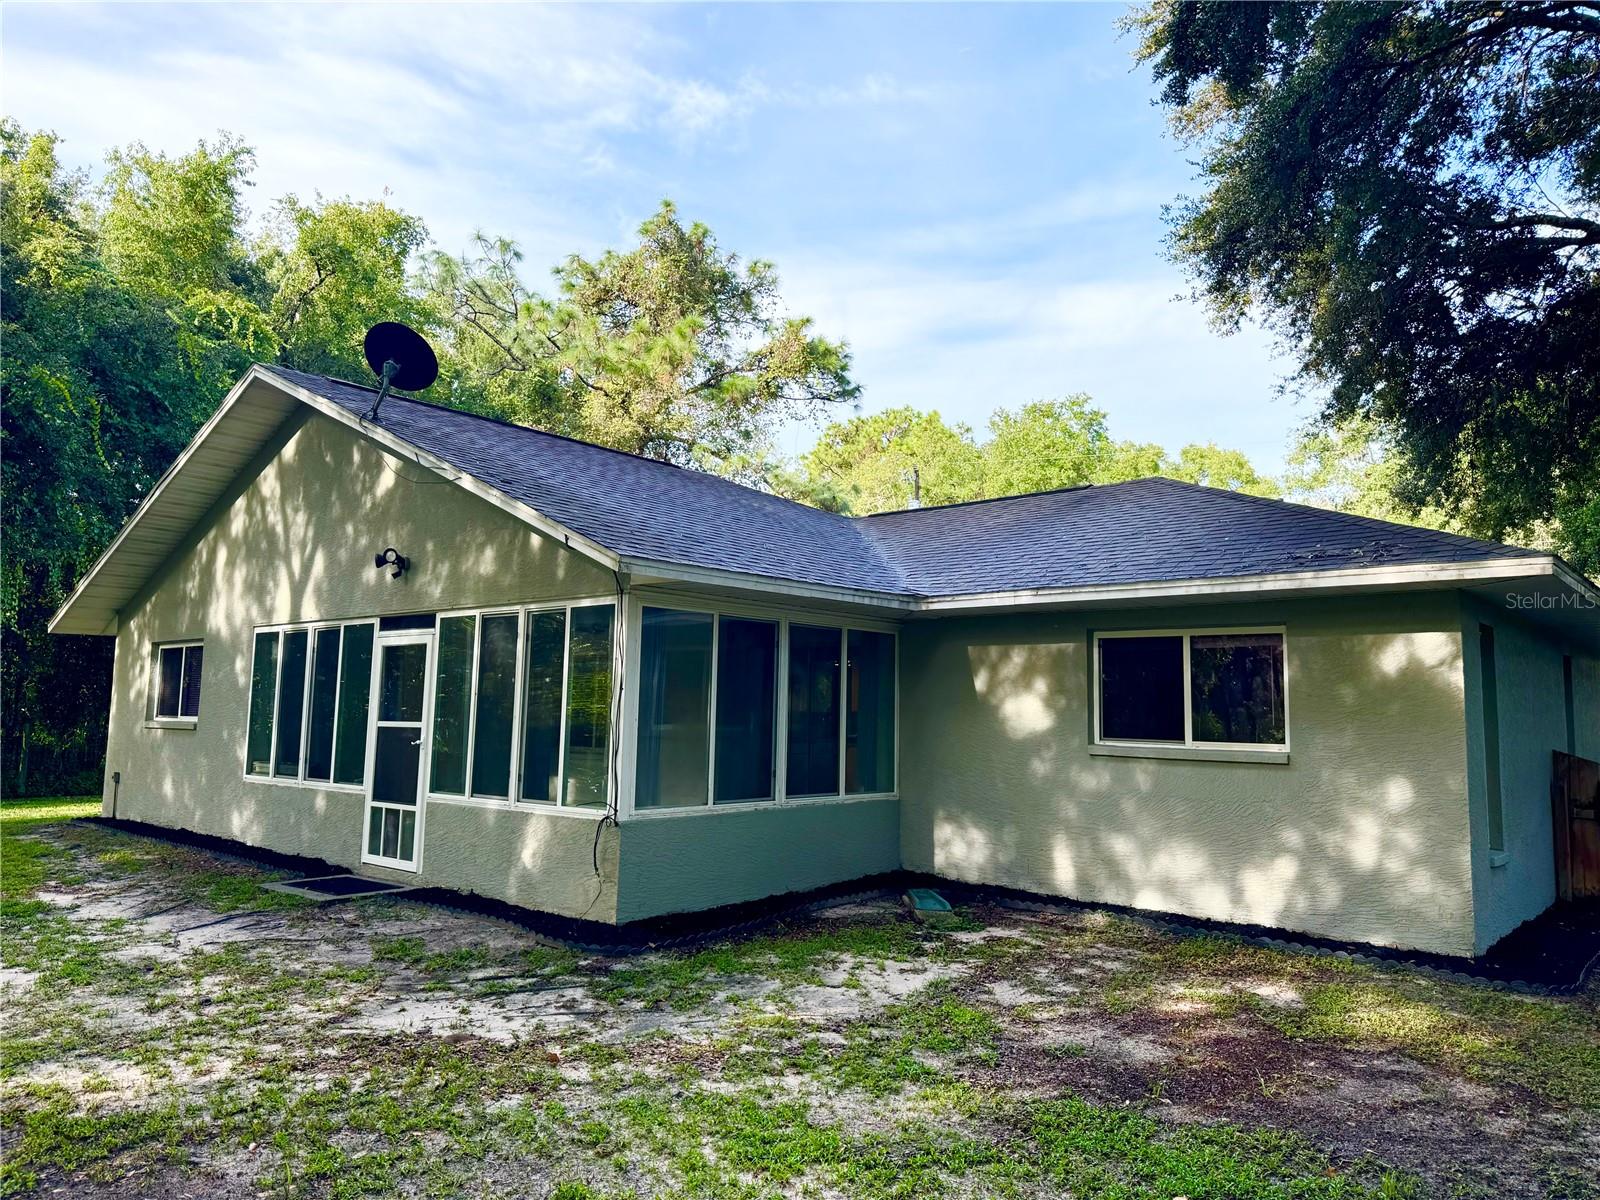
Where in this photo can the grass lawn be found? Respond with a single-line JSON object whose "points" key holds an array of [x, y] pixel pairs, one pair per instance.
{"points": [[172, 1028]]}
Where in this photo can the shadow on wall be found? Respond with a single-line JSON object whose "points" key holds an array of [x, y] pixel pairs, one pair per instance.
{"points": [[1362, 835], [295, 542]]}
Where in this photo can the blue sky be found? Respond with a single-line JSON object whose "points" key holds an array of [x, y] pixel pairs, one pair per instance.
{"points": [[969, 194]]}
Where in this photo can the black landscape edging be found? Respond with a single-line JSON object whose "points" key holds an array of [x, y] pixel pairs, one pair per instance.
{"points": [[1516, 963], [299, 864]]}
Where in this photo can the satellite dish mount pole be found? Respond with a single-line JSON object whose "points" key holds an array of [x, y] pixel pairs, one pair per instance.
{"points": [[390, 369]]}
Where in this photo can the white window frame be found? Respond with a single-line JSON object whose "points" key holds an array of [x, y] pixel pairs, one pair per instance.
{"points": [[514, 802], [177, 720], [784, 618], [1188, 743], [310, 629]]}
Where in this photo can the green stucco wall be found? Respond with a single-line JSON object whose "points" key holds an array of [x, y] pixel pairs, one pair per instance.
{"points": [[1363, 834], [1519, 885], [293, 541], [705, 859]]}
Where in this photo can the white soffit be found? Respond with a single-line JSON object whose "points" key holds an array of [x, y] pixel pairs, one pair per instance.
{"points": [[225, 445]]}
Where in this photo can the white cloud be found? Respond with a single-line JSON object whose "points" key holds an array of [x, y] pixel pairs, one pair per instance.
{"points": [[482, 116]]}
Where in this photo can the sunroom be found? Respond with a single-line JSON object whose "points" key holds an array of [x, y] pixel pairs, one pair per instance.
{"points": [[720, 707]]}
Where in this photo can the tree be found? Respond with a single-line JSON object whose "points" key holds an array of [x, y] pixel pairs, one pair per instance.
{"points": [[874, 461], [97, 395], [335, 269], [1213, 466], [673, 349], [1352, 467], [1411, 195], [1045, 444], [895, 459]]}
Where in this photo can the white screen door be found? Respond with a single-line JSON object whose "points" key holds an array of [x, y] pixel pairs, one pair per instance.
{"points": [[393, 835]]}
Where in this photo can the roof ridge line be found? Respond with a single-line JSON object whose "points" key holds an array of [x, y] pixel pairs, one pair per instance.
{"points": [[1071, 487], [695, 472], [500, 421]]}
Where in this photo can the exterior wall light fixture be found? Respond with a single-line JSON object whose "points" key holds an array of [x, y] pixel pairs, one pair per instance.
{"points": [[391, 557]]}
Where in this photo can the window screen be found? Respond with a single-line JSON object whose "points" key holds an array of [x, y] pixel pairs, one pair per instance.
{"points": [[452, 699], [541, 705], [747, 675], [263, 682], [189, 693], [1236, 688], [355, 688], [324, 690], [496, 706], [813, 768], [291, 703], [674, 708], [869, 715], [588, 757]]}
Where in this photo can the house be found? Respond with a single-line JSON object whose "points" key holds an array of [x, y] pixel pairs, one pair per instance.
{"points": [[438, 648]]}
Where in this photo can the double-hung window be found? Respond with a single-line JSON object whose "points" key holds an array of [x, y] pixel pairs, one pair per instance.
{"points": [[309, 691], [1221, 689], [740, 709], [177, 682], [522, 706]]}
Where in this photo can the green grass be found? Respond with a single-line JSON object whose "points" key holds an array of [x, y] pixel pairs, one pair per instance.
{"points": [[25, 862], [926, 1097], [729, 1147], [1549, 1046]]}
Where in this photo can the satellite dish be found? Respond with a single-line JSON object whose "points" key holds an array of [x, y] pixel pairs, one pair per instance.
{"points": [[401, 358]]}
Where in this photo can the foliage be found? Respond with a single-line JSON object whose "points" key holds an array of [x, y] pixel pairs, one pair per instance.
{"points": [[892, 459], [334, 270], [674, 349], [130, 309], [1411, 194], [879, 462], [1353, 467]]}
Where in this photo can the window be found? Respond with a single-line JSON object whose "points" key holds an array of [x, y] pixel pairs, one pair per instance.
{"points": [[309, 688], [674, 702], [747, 692], [291, 703], [813, 711], [452, 705], [494, 711], [556, 665], [869, 713], [588, 745], [177, 684], [543, 678], [716, 690], [1192, 689]]}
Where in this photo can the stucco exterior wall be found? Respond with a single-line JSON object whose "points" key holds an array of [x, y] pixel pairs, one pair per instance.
{"points": [[293, 540], [699, 860], [1586, 696], [1518, 884], [1362, 834]]}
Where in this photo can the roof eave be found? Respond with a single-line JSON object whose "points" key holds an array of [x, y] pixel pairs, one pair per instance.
{"points": [[656, 571], [1392, 577]]}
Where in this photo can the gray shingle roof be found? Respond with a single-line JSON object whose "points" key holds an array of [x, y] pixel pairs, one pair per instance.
{"points": [[1145, 530]]}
